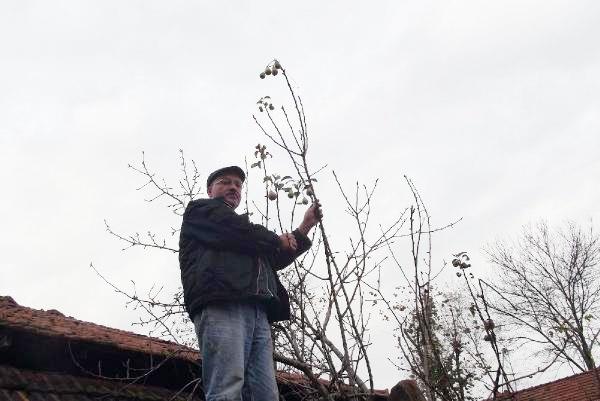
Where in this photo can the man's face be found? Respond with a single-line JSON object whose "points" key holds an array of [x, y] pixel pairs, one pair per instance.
{"points": [[229, 187]]}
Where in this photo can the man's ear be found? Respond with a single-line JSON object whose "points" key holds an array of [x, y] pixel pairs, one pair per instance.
{"points": [[209, 191]]}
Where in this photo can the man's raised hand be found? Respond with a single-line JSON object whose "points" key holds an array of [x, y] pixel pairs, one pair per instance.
{"points": [[311, 217], [288, 242]]}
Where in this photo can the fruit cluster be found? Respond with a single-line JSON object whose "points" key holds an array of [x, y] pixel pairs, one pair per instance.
{"points": [[272, 195], [461, 260], [264, 103], [294, 190], [272, 69]]}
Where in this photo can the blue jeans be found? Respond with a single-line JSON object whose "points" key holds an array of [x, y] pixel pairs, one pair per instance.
{"points": [[237, 352]]}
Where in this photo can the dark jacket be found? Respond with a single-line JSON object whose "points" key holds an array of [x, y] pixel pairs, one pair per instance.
{"points": [[224, 257]]}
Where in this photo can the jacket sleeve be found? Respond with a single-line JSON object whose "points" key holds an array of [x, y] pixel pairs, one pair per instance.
{"points": [[284, 259], [217, 226]]}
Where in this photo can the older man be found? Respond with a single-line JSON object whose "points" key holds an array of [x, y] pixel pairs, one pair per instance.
{"points": [[231, 289]]}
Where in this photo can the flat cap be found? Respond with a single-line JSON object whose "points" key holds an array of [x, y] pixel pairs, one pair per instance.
{"points": [[225, 170]]}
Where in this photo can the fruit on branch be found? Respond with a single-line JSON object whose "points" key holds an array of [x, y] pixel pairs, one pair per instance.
{"points": [[271, 107], [275, 72], [309, 191], [290, 195], [455, 262], [489, 324], [272, 195], [260, 108], [304, 201], [277, 65], [268, 71], [262, 75]]}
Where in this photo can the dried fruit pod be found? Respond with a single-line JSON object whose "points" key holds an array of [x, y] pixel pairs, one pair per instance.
{"points": [[455, 262], [275, 72], [290, 195], [277, 65], [260, 109], [268, 71], [272, 195], [309, 191], [271, 107], [304, 201], [262, 75]]}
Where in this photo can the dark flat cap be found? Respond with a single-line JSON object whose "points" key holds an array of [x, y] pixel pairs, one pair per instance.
{"points": [[225, 170]]}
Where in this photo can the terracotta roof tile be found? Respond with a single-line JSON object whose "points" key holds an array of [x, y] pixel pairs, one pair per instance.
{"points": [[579, 387], [18, 384], [55, 324]]}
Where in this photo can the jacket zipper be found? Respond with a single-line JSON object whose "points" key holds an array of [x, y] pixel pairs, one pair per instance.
{"points": [[258, 276], [269, 292]]}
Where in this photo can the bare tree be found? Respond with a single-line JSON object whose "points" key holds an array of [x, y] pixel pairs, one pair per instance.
{"points": [[550, 291], [336, 288], [441, 334]]}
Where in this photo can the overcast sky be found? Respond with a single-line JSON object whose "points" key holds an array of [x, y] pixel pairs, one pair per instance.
{"points": [[492, 108]]}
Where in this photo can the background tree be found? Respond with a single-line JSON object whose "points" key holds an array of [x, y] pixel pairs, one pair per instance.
{"points": [[549, 291]]}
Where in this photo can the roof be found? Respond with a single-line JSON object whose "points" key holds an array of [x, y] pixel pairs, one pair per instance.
{"points": [[54, 324], [579, 387], [24, 385]]}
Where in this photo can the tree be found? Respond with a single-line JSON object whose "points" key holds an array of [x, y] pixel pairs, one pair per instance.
{"points": [[549, 291], [337, 288]]}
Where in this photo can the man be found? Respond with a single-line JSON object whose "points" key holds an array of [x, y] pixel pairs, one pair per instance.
{"points": [[231, 289]]}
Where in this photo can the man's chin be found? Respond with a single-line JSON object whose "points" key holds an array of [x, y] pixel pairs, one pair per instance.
{"points": [[232, 202]]}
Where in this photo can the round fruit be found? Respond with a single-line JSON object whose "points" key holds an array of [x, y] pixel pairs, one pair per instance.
{"points": [[260, 108], [277, 65], [275, 72], [305, 201], [262, 75], [272, 195], [268, 71], [309, 191], [271, 107], [290, 195]]}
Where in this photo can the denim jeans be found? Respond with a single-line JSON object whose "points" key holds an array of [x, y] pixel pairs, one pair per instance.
{"points": [[237, 352]]}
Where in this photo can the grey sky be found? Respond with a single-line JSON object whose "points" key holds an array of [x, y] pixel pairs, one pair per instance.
{"points": [[492, 108]]}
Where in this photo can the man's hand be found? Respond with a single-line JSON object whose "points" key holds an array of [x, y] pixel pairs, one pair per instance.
{"points": [[311, 218], [288, 242]]}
